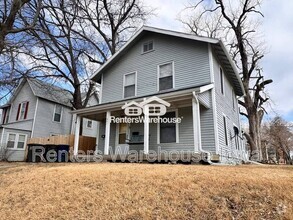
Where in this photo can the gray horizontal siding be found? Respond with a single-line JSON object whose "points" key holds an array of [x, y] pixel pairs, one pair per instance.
{"points": [[190, 58], [44, 124], [186, 139], [224, 106]]}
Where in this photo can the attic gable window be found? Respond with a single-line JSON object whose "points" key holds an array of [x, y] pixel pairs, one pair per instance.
{"points": [[166, 76], [129, 85], [148, 46], [57, 113], [22, 111]]}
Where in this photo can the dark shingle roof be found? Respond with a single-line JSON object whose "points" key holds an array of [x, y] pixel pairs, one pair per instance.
{"points": [[50, 92]]}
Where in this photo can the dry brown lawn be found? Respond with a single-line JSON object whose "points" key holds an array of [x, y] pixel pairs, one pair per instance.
{"points": [[144, 191]]}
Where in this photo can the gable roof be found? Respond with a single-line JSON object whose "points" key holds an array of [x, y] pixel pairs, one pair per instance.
{"points": [[217, 45], [50, 92], [45, 91]]}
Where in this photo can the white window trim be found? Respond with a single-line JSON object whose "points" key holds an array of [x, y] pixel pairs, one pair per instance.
{"points": [[19, 115], [135, 90], [16, 141], [222, 79], [147, 42], [55, 112], [177, 129], [227, 133], [158, 75], [118, 133], [87, 120]]}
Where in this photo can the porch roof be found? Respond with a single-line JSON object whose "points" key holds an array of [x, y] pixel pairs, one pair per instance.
{"points": [[180, 94]]}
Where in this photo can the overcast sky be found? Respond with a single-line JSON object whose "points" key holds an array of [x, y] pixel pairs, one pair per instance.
{"points": [[278, 34]]}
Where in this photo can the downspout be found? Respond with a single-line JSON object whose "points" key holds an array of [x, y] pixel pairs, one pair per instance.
{"points": [[208, 159]]}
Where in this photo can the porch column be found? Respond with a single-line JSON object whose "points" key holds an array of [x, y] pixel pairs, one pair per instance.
{"points": [[76, 135], [196, 123], [146, 130], [107, 133]]}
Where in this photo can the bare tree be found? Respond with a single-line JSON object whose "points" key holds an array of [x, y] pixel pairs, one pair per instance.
{"points": [[279, 136], [70, 40], [236, 22], [16, 16], [107, 24]]}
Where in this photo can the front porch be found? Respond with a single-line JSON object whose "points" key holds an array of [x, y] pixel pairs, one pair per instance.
{"points": [[192, 135]]}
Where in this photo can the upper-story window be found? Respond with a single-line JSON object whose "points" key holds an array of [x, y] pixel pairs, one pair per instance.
{"points": [[233, 99], [22, 111], [222, 81], [5, 115], [57, 113], [148, 46], [129, 85], [166, 76]]}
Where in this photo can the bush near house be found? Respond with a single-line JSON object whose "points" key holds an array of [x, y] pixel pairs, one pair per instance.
{"points": [[145, 191]]}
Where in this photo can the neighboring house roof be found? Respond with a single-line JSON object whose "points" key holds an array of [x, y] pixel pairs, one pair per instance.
{"points": [[216, 44], [50, 92], [44, 90]]}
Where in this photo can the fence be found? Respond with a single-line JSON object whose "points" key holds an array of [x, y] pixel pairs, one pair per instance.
{"points": [[85, 143]]}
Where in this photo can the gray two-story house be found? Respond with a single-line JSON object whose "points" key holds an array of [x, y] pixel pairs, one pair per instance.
{"points": [[37, 109], [193, 77]]}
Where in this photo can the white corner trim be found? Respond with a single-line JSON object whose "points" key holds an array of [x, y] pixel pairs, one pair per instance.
{"points": [[35, 116], [214, 101], [2, 136], [101, 92]]}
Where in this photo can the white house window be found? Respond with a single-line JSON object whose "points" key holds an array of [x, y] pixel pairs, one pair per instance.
{"points": [[168, 130], [222, 81], [166, 74], [22, 111], [16, 141], [11, 140], [225, 129], [148, 46], [57, 113], [89, 124], [129, 85]]}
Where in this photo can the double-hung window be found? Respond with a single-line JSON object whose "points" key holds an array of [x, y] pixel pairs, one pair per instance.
{"points": [[57, 113], [166, 76], [148, 46], [22, 111], [16, 141], [129, 86]]}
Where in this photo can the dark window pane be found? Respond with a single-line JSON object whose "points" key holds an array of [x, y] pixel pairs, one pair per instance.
{"points": [[151, 46], [166, 83], [57, 117], [122, 138], [129, 91], [168, 130]]}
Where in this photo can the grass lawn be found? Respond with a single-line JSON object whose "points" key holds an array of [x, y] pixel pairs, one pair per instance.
{"points": [[144, 191]]}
